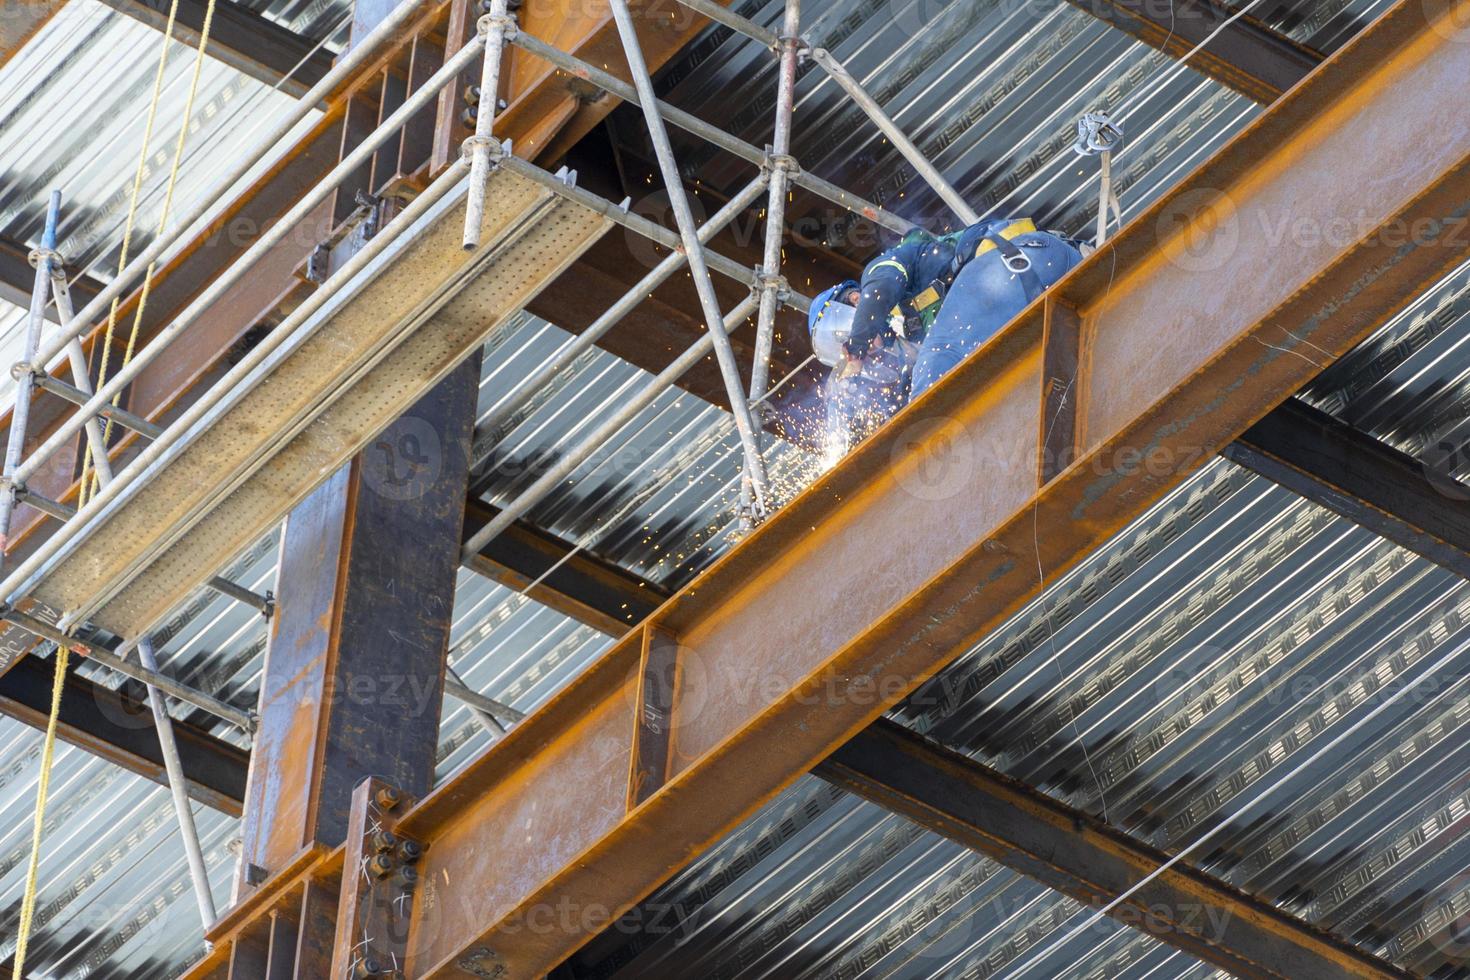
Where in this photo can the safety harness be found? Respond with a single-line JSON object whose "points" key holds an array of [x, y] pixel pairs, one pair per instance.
{"points": [[925, 304]]}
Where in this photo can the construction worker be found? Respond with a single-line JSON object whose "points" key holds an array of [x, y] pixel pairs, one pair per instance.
{"points": [[952, 293]]}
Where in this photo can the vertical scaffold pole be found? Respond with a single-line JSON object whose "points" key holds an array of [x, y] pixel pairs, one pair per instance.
{"points": [[781, 166], [494, 28], [45, 259], [693, 250]]}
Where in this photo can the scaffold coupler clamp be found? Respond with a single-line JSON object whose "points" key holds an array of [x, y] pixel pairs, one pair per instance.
{"points": [[495, 150], [37, 255], [506, 22], [1098, 135], [803, 46], [780, 162]]}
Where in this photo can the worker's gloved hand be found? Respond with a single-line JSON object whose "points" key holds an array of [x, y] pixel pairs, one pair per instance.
{"points": [[857, 348]]}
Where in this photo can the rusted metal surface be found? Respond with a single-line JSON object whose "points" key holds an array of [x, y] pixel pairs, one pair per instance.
{"points": [[1194, 323], [653, 741], [354, 675], [19, 22], [278, 931], [1082, 856], [1061, 338], [381, 874]]}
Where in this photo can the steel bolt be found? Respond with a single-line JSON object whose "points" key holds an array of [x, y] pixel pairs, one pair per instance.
{"points": [[472, 95], [384, 840], [410, 851], [388, 798], [380, 865], [367, 967]]}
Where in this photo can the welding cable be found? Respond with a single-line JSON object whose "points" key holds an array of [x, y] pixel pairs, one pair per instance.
{"points": [[43, 787]]}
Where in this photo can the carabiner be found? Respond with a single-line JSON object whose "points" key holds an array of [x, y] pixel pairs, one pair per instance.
{"points": [[1022, 262]]}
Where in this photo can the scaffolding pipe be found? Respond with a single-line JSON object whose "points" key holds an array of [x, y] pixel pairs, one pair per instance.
{"points": [[488, 709], [579, 454], [237, 270], [732, 20], [694, 251], [346, 67], [15, 584], [640, 225], [96, 440], [896, 136], [713, 134], [178, 788], [230, 590], [575, 347], [781, 166], [83, 396], [493, 28], [20, 416], [242, 720]]}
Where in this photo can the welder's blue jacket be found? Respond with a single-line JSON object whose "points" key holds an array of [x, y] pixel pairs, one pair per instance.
{"points": [[914, 275]]}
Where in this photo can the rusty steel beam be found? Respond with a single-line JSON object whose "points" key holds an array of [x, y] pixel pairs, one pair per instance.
{"points": [[1084, 857], [1246, 56], [21, 20], [110, 724], [1194, 323], [1361, 478]]}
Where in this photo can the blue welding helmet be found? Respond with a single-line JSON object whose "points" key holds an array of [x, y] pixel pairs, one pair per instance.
{"points": [[829, 322]]}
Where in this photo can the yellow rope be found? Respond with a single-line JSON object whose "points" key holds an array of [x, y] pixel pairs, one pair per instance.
{"points": [[168, 201], [127, 242], [28, 903]]}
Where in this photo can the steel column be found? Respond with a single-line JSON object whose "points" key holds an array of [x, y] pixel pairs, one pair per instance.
{"points": [[354, 673], [1194, 327]]}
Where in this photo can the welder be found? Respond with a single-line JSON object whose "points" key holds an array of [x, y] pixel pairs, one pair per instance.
{"points": [[863, 391], [952, 293]]}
